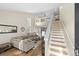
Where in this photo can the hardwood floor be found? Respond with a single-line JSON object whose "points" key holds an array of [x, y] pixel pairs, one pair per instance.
{"points": [[13, 52], [16, 52]]}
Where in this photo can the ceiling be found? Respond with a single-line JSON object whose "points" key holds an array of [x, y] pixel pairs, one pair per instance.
{"points": [[29, 7]]}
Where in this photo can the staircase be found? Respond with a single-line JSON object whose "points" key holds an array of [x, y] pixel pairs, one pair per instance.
{"points": [[57, 45]]}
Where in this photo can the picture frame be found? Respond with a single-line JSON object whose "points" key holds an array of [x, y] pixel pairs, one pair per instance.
{"points": [[7, 29]]}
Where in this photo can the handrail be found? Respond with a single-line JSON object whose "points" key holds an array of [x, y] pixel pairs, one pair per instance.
{"points": [[47, 36]]}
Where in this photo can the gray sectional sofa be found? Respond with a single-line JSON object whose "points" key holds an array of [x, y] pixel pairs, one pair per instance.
{"points": [[25, 43]]}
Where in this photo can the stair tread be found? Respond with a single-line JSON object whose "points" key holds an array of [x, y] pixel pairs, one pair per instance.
{"points": [[57, 37], [57, 44], [57, 41]]}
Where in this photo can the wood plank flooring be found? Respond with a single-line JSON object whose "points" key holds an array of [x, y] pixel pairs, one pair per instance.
{"points": [[16, 52]]}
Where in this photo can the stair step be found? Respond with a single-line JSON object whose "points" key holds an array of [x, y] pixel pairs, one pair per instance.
{"points": [[57, 45], [53, 44], [65, 52], [58, 51], [55, 50], [51, 54], [57, 30], [57, 37], [58, 48], [57, 34], [57, 41]]}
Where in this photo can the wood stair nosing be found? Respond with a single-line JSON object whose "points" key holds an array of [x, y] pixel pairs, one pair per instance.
{"points": [[58, 45], [57, 37], [56, 32], [58, 41]]}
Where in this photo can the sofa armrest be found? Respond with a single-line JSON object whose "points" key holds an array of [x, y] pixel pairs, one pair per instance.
{"points": [[4, 47]]}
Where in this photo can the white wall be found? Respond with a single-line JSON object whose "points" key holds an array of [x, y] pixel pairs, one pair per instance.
{"points": [[28, 7], [67, 16], [18, 19]]}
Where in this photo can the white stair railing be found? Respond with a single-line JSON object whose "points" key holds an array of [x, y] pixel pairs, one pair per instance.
{"points": [[47, 36]]}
